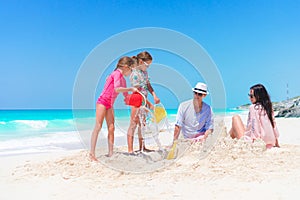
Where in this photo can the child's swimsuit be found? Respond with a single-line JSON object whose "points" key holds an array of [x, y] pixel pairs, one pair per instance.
{"points": [[109, 95]]}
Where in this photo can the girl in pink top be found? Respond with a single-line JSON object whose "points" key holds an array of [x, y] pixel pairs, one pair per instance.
{"points": [[261, 122], [115, 84]]}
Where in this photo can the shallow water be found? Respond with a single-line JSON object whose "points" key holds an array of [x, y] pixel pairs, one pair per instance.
{"points": [[30, 131]]}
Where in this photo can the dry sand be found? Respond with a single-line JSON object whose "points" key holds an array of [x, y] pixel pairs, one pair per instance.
{"points": [[221, 168]]}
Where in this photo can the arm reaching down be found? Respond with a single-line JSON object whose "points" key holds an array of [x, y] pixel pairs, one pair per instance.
{"points": [[122, 89]]}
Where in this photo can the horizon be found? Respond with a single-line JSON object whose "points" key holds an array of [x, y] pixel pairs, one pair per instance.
{"points": [[232, 108]]}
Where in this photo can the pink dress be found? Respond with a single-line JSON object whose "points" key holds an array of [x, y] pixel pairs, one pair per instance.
{"points": [[259, 126], [109, 95]]}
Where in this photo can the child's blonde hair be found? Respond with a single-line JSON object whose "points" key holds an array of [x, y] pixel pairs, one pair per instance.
{"points": [[125, 61]]}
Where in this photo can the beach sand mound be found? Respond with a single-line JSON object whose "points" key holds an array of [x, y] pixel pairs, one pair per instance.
{"points": [[220, 168], [229, 168], [224, 157]]}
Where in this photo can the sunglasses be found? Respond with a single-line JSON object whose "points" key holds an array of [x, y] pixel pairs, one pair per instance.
{"points": [[146, 64], [199, 94], [251, 96]]}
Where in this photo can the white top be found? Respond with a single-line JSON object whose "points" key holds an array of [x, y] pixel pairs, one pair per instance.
{"points": [[192, 123]]}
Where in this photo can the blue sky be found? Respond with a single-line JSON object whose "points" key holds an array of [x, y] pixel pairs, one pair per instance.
{"points": [[44, 43]]}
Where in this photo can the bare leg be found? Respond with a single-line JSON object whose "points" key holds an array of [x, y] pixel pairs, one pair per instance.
{"points": [[100, 113], [110, 121], [141, 139], [142, 146], [238, 129], [131, 128]]}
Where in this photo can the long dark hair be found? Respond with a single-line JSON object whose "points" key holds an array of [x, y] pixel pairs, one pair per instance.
{"points": [[263, 98]]}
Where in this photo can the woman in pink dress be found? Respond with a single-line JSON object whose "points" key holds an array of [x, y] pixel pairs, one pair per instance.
{"points": [[115, 83], [261, 122]]}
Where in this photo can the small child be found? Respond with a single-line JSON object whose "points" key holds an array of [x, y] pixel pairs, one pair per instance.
{"points": [[140, 80], [115, 84]]}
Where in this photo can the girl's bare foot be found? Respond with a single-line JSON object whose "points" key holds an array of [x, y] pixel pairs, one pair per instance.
{"points": [[93, 157], [109, 154], [147, 150]]}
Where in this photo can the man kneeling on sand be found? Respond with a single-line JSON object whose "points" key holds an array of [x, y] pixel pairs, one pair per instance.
{"points": [[194, 117]]}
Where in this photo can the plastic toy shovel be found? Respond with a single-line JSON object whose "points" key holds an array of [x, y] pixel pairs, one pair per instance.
{"points": [[171, 154]]}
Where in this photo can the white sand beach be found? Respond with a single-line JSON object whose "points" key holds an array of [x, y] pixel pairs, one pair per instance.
{"points": [[229, 169]]}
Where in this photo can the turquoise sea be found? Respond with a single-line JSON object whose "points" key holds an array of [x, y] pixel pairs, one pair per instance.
{"points": [[32, 131]]}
